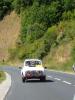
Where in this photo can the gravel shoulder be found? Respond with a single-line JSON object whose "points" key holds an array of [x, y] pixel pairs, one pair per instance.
{"points": [[5, 86]]}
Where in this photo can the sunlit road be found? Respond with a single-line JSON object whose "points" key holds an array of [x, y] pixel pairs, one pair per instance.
{"points": [[57, 87]]}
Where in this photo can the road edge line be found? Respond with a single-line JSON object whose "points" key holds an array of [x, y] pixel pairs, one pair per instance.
{"points": [[5, 86], [61, 72]]}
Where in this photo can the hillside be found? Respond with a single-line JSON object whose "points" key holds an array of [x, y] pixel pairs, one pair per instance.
{"points": [[46, 31], [9, 32], [62, 56]]}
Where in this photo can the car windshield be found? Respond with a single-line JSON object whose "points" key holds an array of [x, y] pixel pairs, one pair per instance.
{"points": [[32, 63]]}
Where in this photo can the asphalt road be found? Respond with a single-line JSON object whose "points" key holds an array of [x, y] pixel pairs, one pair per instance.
{"points": [[58, 86]]}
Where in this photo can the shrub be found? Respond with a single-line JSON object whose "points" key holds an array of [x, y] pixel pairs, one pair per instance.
{"points": [[73, 52], [5, 5], [69, 5], [35, 31], [17, 5]]}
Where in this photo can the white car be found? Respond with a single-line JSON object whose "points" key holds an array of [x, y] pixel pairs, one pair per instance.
{"points": [[33, 69]]}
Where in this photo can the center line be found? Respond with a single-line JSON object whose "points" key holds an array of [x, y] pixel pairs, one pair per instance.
{"points": [[57, 79], [66, 82]]}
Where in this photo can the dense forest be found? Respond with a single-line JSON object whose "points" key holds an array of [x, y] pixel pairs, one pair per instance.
{"points": [[40, 29]]}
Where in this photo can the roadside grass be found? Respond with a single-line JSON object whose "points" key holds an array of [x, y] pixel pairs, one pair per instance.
{"points": [[60, 58], [2, 76], [67, 67], [54, 65]]}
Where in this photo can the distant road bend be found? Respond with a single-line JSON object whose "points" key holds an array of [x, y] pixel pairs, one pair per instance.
{"points": [[58, 86]]}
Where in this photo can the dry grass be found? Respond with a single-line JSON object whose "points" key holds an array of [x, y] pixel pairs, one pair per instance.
{"points": [[63, 53], [58, 56], [9, 32]]}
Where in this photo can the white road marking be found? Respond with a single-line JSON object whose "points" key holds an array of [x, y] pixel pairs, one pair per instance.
{"points": [[57, 79], [49, 76], [61, 81], [67, 82], [61, 72], [74, 97]]}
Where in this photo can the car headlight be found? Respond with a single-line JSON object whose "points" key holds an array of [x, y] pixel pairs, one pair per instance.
{"points": [[28, 73], [40, 72]]}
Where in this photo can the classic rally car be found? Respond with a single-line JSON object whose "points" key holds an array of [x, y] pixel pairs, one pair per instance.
{"points": [[33, 69]]}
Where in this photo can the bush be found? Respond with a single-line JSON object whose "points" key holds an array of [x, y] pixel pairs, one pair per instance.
{"points": [[34, 32], [17, 5], [36, 19], [67, 15], [33, 23], [13, 53], [73, 52], [5, 6], [51, 36], [69, 5]]}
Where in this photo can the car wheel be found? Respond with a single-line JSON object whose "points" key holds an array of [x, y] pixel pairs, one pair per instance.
{"points": [[23, 80], [43, 78]]}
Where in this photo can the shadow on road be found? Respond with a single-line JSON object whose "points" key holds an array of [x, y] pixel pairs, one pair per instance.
{"points": [[38, 81]]}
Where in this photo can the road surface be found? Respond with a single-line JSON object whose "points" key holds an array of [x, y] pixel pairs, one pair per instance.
{"points": [[58, 86]]}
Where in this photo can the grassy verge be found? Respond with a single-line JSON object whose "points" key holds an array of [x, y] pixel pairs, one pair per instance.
{"points": [[2, 76]]}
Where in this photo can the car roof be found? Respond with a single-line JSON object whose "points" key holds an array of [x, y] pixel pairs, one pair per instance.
{"points": [[32, 59]]}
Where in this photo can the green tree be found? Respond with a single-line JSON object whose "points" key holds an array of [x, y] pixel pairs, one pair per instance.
{"points": [[35, 31], [69, 5]]}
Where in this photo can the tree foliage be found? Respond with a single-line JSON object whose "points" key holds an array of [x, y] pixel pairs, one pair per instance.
{"points": [[5, 5], [37, 16]]}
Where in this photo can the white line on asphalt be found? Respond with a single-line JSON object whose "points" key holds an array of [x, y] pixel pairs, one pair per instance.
{"points": [[74, 97], [67, 82], [60, 80], [49, 76], [61, 72], [57, 79]]}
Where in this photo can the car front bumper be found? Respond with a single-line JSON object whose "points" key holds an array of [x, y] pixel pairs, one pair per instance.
{"points": [[34, 76]]}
